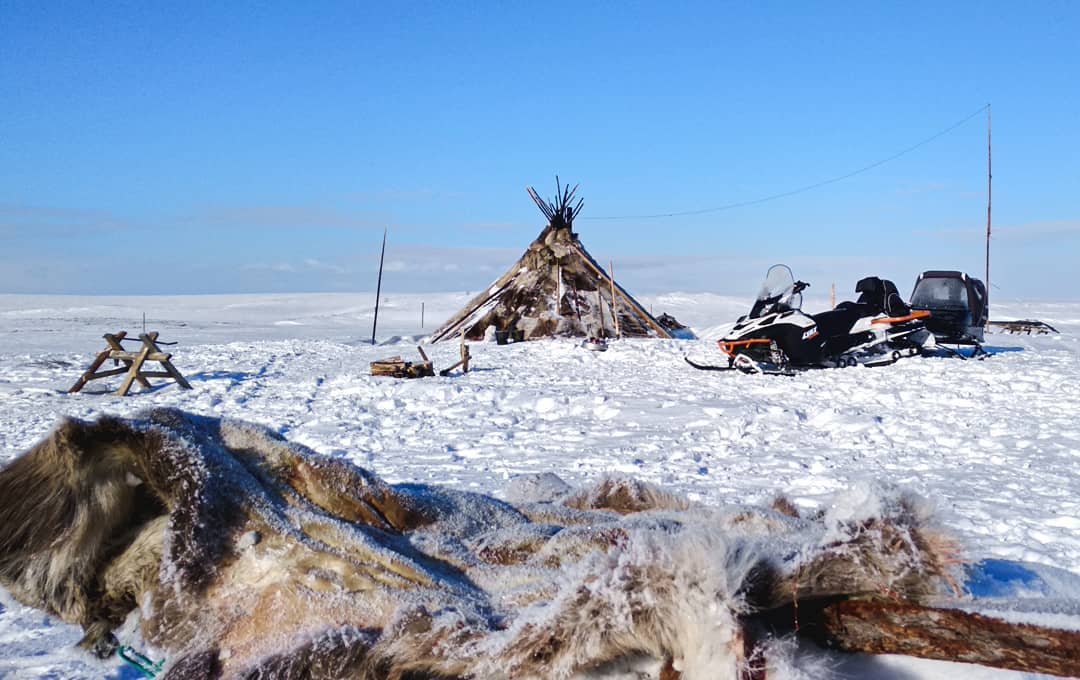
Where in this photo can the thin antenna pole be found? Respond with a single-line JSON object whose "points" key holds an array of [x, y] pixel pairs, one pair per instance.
{"points": [[378, 286], [989, 194]]}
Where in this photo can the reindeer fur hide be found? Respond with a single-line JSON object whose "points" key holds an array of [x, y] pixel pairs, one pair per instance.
{"points": [[242, 555]]}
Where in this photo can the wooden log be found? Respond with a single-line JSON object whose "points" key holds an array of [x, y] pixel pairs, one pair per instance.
{"points": [[114, 343], [877, 627], [394, 368], [108, 373], [446, 371], [89, 374], [402, 369], [464, 354], [134, 366], [150, 340]]}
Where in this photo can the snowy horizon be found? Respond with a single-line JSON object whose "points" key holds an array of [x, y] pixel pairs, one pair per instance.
{"points": [[992, 443]]}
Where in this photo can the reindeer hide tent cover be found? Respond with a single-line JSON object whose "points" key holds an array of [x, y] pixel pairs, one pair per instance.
{"points": [[555, 289], [238, 554]]}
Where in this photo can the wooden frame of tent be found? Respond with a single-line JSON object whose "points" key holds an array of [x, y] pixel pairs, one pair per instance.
{"points": [[544, 292]]}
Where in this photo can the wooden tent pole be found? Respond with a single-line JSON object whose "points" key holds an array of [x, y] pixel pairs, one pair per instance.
{"points": [[600, 311], [614, 309], [596, 269]]}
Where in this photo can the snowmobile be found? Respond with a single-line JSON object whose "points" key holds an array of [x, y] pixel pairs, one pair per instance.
{"points": [[777, 336], [958, 307]]}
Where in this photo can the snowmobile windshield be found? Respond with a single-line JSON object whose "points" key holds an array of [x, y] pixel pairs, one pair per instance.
{"points": [[940, 293], [777, 293]]}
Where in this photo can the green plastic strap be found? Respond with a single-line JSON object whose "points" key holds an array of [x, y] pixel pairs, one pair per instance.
{"points": [[147, 667]]}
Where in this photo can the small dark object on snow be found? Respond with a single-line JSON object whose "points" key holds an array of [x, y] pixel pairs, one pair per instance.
{"points": [[676, 329], [595, 344]]}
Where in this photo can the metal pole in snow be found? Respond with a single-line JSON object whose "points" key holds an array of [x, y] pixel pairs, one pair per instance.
{"points": [[378, 286], [989, 187]]}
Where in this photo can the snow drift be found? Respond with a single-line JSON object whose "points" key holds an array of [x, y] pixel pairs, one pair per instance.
{"points": [[241, 554]]}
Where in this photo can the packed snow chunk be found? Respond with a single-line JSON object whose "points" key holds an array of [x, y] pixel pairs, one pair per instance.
{"points": [[539, 487]]}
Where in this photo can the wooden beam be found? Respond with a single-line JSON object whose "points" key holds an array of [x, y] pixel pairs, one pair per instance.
{"points": [[124, 355], [134, 366], [150, 340], [89, 374]]}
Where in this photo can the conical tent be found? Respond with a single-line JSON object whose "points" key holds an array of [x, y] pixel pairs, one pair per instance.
{"points": [[556, 289]]}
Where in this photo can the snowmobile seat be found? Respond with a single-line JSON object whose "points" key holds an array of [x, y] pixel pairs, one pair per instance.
{"points": [[882, 294], [838, 321], [957, 305]]}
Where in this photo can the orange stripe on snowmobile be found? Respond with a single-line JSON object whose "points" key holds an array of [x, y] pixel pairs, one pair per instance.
{"points": [[729, 348], [917, 314]]}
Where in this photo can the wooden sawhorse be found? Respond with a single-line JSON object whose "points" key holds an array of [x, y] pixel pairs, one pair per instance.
{"points": [[133, 363]]}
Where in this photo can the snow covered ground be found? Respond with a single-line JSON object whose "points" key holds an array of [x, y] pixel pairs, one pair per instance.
{"points": [[994, 443]]}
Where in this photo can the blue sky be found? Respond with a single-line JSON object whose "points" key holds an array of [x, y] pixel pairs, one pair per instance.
{"points": [[263, 147]]}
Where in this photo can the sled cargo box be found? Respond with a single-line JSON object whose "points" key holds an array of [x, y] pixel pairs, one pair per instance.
{"points": [[957, 305]]}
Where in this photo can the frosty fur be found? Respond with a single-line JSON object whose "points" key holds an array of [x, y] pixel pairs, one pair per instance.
{"points": [[246, 556]]}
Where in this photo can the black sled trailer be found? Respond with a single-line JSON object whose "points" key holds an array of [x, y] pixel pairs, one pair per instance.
{"points": [[958, 307]]}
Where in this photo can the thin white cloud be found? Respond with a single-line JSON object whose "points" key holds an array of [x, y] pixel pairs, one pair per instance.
{"points": [[19, 221], [1030, 232], [284, 217]]}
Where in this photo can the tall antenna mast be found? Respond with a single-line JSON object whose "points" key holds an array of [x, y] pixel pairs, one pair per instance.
{"points": [[989, 193], [378, 286]]}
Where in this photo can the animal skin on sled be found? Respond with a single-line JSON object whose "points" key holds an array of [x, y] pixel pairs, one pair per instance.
{"points": [[244, 555]]}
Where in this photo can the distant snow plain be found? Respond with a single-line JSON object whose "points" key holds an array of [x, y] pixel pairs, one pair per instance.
{"points": [[994, 444]]}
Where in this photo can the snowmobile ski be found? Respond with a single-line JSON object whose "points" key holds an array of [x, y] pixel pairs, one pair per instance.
{"points": [[742, 369], [708, 367]]}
